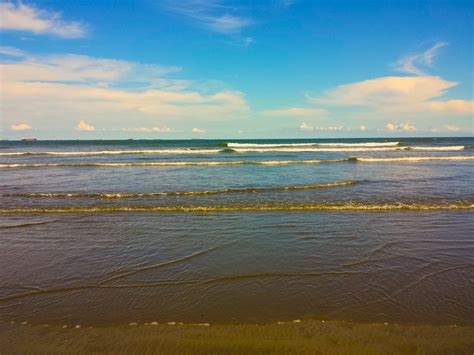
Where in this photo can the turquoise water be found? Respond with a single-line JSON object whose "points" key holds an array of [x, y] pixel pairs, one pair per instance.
{"points": [[100, 232]]}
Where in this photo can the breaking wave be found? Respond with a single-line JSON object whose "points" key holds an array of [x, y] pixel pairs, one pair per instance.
{"points": [[24, 225], [118, 152], [346, 149], [251, 148], [350, 206], [177, 163], [240, 162], [193, 193], [257, 145], [412, 159]]}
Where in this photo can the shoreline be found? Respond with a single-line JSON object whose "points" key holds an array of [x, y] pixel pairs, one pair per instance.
{"points": [[297, 336]]}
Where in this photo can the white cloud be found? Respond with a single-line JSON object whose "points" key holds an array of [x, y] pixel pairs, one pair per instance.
{"points": [[447, 128], [213, 15], [227, 23], [410, 64], [84, 126], [305, 127], [11, 51], [20, 17], [247, 41], [331, 128], [451, 127], [297, 112], [20, 127], [149, 129], [396, 94], [284, 3], [363, 128], [400, 127], [80, 68], [58, 91], [198, 130]]}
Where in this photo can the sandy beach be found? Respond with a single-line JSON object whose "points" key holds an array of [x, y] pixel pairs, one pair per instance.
{"points": [[293, 337]]}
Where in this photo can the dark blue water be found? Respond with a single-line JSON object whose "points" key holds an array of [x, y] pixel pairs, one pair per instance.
{"points": [[102, 232]]}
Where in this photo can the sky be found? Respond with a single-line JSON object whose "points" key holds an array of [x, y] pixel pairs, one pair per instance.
{"points": [[108, 69]]}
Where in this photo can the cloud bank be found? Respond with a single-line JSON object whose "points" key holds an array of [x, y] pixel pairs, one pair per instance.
{"points": [[62, 89]]}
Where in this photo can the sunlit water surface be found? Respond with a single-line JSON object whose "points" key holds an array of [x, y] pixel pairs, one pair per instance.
{"points": [[101, 232]]}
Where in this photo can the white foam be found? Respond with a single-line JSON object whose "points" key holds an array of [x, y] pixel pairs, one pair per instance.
{"points": [[258, 162], [445, 148], [367, 144], [344, 149], [413, 159], [117, 152], [257, 145], [170, 163], [268, 148]]}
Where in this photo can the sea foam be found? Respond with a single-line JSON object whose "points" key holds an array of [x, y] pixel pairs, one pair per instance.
{"points": [[184, 193], [243, 148], [345, 206], [241, 162]]}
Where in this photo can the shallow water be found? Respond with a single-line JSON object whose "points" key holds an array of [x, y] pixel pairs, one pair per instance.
{"points": [[105, 232]]}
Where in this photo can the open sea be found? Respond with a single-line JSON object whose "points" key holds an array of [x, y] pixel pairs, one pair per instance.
{"points": [[237, 231]]}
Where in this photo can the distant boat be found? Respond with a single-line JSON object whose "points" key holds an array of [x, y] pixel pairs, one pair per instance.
{"points": [[28, 139]]}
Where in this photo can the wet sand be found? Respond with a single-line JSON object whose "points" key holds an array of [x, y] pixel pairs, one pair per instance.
{"points": [[298, 337]]}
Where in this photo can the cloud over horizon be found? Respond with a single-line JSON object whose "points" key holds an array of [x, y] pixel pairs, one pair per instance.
{"points": [[20, 127], [69, 87], [84, 126], [396, 94], [297, 112], [198, 130]]}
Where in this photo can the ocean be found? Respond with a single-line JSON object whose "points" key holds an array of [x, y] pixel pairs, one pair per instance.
{"points": [[237, 231]]}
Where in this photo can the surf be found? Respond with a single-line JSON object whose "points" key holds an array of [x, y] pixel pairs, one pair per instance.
{"points": [[344, 149], [248, 148], [117, 152], [335, 207], [191, 193], [242, 162], [273, 145]]}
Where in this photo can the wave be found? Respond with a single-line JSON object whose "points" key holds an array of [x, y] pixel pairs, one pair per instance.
{"points": [[346, 149], [351, 206], [412, 159], [119, 152], [228, 150], [177, 163], [257, 145], [24, 225], [269, 148], [445, 148], [223, 163], [167, 283], [272, 145], [193, 193]]}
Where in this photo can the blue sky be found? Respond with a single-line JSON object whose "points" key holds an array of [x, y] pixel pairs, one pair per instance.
{"points": [[236, 69]]}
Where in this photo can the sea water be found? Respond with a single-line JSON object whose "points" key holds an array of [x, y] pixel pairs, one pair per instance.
{"points": [[237, 231]]}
